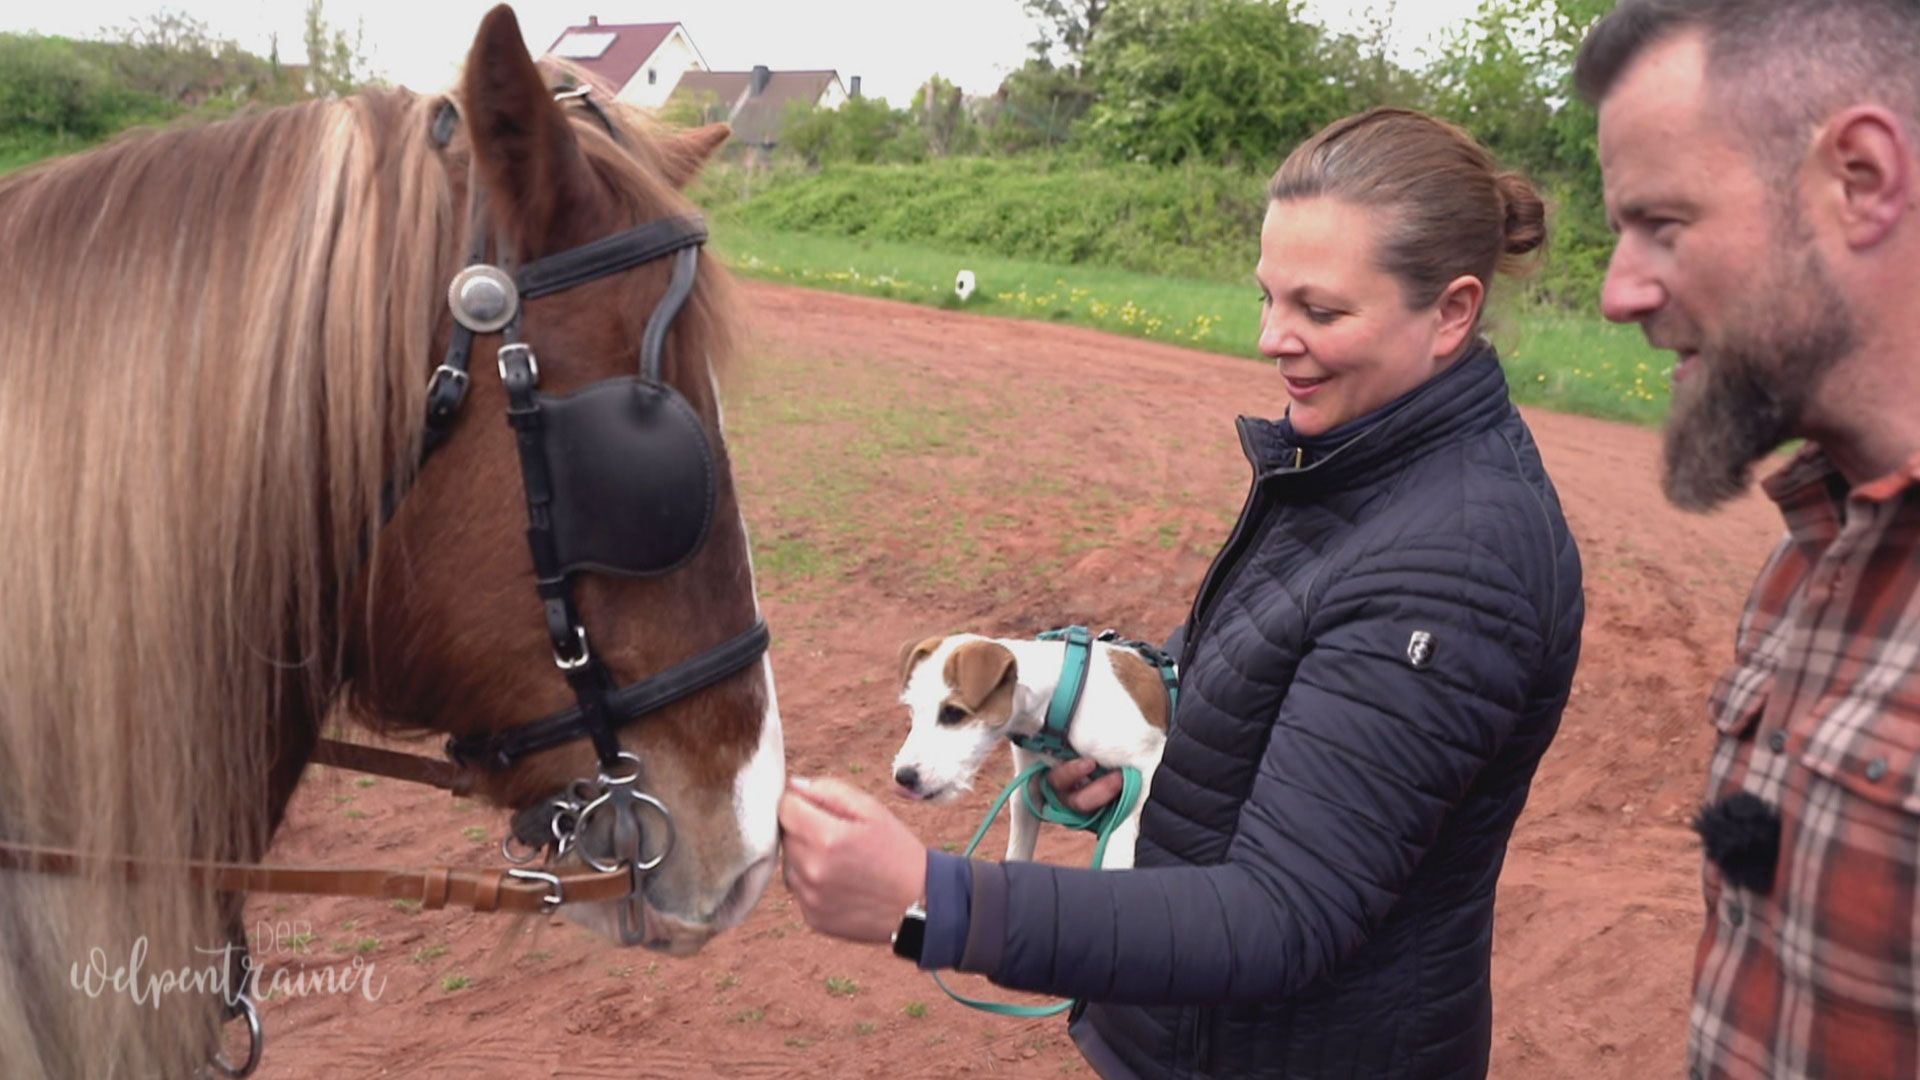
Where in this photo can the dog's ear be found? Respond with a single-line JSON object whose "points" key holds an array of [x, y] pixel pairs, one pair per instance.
{"points": [[914, 651], [978, 670]]}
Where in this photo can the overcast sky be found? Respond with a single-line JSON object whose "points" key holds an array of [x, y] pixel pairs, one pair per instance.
{"points": [[893, 44]]}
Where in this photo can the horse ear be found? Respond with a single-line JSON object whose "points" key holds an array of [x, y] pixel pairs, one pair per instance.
{"points": [[685, 153], [523, 147]]}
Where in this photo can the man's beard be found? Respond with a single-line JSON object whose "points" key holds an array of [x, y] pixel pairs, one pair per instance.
{"points": [[1749, 392]]}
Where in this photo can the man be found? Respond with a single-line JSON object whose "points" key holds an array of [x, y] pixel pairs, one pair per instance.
{"points": [[1761, 171]]}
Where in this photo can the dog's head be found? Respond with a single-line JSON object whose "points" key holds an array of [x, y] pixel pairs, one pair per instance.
{"points": [[960, 695]]}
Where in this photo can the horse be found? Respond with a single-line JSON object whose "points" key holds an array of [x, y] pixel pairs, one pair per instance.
{"points": [[250, 484]]}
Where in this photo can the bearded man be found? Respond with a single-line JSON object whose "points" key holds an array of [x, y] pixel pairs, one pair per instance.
{"points": [[1761, 172]]}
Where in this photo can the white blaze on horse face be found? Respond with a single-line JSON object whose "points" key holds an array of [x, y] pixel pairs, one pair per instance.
{"points": [[756, 794], [759, 785], [943, 757]]}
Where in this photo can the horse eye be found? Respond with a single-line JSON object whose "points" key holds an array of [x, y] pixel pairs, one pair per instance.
{"points": [[952, 714]]}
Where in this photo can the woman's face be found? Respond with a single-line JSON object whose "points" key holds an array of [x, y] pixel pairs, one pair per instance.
{"points": [[1337, 326]]}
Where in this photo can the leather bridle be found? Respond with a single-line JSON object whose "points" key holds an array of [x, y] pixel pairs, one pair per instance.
{"points": [[564, 445]]}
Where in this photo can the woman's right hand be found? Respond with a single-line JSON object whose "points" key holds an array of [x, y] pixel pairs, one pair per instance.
{"points": [[1085, 796]]}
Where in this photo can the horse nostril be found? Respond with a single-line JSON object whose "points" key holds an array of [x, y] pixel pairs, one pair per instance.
{"points": [[908, 777]]}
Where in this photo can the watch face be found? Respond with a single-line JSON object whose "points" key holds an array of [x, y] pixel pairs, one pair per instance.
{"points": [[911, 937]]}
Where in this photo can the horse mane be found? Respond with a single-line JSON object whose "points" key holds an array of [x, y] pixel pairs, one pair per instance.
{"points": [[213, 365]]}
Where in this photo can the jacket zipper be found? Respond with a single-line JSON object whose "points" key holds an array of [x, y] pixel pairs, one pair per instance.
{"points": [[1203, 1041], [1227, 562]]}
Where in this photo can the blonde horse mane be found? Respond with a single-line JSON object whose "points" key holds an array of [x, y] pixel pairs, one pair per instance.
{"points": [[213, 364]]}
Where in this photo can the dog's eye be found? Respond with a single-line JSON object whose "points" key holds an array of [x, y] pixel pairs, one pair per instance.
{"points": [[952, 714]]}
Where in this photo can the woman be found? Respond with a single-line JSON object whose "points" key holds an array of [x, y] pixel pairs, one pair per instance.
{"points": [[1370, 674]]}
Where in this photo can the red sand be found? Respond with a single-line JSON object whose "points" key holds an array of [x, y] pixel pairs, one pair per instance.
{"points": [[958, 472]]}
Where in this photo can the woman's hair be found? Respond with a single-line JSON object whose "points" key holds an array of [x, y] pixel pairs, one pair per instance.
{"points": [[1448, 209]]}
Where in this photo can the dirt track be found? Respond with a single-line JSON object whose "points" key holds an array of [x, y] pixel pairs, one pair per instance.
{"points": [[936, 471]]}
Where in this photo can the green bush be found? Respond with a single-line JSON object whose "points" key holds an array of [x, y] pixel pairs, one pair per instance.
{"points": [[49, 87], [1190, 221]]}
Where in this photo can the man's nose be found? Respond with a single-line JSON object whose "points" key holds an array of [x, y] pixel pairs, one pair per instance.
{"points": [[1629, 294]]}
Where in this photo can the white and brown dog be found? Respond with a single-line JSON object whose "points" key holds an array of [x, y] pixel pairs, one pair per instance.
{"points": [[966, 693]]}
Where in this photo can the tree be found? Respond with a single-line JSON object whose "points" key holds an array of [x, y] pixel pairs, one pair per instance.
{"points": [[1231, 81], [940, 110], [1066, 27], [1035, 108], [862, 130], [336, 65]]}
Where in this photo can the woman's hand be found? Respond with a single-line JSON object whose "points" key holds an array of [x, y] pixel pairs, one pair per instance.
{"points": [[1069, 778], [853, 867]]}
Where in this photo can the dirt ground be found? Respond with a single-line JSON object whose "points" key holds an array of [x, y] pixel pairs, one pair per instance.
{"points": [[907, 471]]}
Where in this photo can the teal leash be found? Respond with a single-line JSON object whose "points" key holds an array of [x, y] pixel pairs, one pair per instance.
{"points": [[1101, 823], [1051, 741]]}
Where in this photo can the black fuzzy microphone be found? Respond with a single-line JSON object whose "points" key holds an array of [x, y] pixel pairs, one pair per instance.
{"points": [[1741, 835]]}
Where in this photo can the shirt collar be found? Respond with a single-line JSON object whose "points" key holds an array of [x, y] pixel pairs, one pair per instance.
{"points": [[1812, 494]]}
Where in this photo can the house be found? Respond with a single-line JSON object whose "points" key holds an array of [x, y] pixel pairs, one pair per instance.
{"points": [[638, 63], [755, 102]]}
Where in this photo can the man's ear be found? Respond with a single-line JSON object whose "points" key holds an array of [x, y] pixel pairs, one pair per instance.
{"points": [[523, 148], [1865, 159]]}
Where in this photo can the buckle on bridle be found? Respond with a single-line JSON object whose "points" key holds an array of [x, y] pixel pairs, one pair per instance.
{"points": [[519, 348], [553, 900], [574, 663]]}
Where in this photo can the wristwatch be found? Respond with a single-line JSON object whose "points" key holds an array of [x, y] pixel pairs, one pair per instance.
{"points": [[910, 938]]}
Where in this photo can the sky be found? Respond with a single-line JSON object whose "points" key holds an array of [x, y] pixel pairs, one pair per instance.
{"points": [[894, 45]]}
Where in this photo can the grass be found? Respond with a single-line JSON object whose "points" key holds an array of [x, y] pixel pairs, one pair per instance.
{"points": [[916, 1010], [455, 982], [1559, 360], [842, 986]]}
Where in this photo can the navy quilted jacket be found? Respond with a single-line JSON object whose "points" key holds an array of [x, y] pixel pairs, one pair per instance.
{"points": [[1374, 666]]}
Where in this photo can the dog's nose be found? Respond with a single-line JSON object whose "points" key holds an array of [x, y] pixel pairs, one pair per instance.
{"points": [[907, 777]]}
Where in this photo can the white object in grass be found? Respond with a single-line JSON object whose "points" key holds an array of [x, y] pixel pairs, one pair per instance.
{"points": [[963, 285]]}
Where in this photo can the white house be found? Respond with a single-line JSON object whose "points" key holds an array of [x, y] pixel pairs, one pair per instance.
{"points": [[638, 63]]}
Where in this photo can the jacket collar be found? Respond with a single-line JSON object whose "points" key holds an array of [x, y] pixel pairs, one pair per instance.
{"points": [[1467, 398]]}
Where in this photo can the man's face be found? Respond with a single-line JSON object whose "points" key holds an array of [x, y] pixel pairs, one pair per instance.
{"points": [[1715, 264]]}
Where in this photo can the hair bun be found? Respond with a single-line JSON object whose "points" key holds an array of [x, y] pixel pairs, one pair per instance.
{"points": [[1526, 214]]}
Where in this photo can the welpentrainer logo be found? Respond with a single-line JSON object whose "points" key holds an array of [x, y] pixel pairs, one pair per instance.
{"points": [[229, 971]]}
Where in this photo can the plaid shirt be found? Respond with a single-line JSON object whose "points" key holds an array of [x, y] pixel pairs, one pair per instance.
{"points": [[1820, 717]]}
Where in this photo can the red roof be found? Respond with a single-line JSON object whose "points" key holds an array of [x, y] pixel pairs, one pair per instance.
{"points": [[632, 44]]}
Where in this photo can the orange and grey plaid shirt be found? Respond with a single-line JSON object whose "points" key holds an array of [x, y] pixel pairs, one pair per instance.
{"points": [[1820, 718]]}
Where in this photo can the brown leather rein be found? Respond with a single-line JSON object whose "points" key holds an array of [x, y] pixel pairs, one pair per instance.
{"points": [[516, 890]]}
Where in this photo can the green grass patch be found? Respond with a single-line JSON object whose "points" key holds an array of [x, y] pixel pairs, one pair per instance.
{"points": [[1557, 360], [842, 986]]}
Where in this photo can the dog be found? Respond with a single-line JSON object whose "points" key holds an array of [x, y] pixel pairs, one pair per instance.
{"points": [[966, 693]]}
